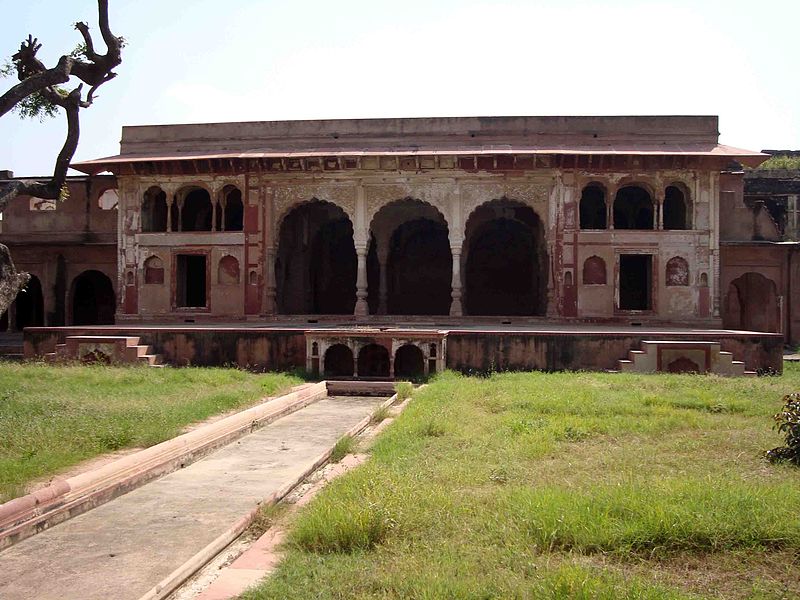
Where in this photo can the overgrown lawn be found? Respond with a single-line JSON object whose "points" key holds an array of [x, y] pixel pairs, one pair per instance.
{"points": [[564, 485], [52, 417]]}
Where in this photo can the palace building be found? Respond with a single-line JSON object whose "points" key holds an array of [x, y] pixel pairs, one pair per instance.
{"points": [[439, 223]]}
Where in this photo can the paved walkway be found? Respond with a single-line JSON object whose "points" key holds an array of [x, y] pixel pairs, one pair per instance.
{"points": [[123, 548]]}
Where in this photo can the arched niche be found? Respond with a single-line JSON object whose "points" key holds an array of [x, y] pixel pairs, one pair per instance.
{"points": [[316, 263], [228, 271], [154, 270], [505, 260], [633, 208], [594, 271], [677, 271]]}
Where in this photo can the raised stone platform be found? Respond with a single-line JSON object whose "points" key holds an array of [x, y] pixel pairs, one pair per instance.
{"points": [[469, 347]]}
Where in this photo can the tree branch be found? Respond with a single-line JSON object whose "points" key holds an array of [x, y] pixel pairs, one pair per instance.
{"points": [[11, 280]]}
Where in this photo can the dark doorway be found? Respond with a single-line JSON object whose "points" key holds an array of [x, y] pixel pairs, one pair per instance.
{"points": [[409, 362], [338, 361], [93, 300], [373, 361], [420, 269], [233, 217], [316, 264], [190, 291], [635, 281], [29, 305]]}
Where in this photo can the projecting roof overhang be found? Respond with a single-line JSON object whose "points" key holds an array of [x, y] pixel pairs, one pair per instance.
{"points": [[746, 157]]}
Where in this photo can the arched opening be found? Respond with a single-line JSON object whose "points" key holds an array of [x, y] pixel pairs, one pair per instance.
{"points": [[29, 305], [677, 272], [594, 271], [154, 270], [316, 264], [752, 304], [633, 208], [506, 261], [409, 362], [410, 238], [196, 211], [593, 208], [154, 210], [373, 361], [338, 361], [228, 271], [675, 209], [93, 300], [233, 218]]}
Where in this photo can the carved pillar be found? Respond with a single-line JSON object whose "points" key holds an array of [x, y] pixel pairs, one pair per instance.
{"points": [[170, 201], [361, 282], [456, 309], [214, 206], [659, 213]]}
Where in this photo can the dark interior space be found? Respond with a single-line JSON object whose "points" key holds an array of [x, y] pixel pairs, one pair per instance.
{"points": [[633, 209], [190, 290], [30, 305], [93, 300], [635, 281], [409, 362], [675, 213], [338, 361], [234, 211], [154, 210], [419, 269], [196, 211], [316, 266], [373, 361], [593, 208]]}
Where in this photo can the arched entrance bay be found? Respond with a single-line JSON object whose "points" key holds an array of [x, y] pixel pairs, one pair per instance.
{"points": [[505, 262], [93, 300], [316, 264], [410, 260]]}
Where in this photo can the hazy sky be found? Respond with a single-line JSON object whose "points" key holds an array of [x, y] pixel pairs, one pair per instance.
{"points": [[207, 61]]}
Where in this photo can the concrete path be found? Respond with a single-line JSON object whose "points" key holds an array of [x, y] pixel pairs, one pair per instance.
{"points": [[122, 549]]}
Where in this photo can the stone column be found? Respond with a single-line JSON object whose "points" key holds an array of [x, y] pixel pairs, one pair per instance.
{"points": [[659, 224], [170, 201], [214, 206], [362, 308], [456, 309]]}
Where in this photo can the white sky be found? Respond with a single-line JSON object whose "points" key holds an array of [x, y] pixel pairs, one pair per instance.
{"points": [[204, 61]]}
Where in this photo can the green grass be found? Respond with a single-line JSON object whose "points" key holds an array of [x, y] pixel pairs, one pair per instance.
{"points": [[54, 417], [564, 485], [344, 445]]}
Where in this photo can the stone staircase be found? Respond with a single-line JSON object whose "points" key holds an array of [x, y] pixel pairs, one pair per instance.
{"points": [[11, 346], [105, 349], [678, 356]]}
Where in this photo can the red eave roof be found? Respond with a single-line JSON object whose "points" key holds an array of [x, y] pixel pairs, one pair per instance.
{"points": [[747, 157]]}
